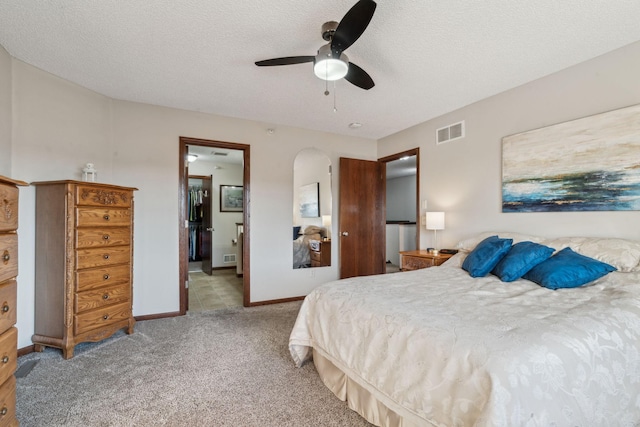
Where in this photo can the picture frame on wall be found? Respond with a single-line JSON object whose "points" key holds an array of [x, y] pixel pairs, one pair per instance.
{"points": [[586, 164], [231, 198], [309, 197]]}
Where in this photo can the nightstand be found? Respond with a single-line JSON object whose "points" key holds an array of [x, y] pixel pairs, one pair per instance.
{"points": [[320, 253], [415, 260]]}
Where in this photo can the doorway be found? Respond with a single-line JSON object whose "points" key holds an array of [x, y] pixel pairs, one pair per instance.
{"points": [[362, 213], [228, 202], [402, 196]]}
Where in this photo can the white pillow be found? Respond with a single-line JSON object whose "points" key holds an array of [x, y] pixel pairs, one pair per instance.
{"points": [[620, 253], [468, 244], [559, 243]]}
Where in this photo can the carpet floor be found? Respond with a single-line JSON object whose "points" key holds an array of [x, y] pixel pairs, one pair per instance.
{"points": [[227, 367]]}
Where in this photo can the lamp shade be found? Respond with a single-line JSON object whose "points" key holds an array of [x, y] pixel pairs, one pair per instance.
{"points": [[328, 68], [435, 221]]}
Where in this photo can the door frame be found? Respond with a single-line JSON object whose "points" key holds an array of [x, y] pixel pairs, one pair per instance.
{"points": [[183, 235], [398, 156]]}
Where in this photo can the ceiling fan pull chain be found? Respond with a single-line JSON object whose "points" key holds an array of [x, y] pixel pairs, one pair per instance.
{"points": [[335, 110]]}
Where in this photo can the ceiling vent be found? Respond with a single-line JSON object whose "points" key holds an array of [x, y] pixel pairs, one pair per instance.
{"points": [[450, 133], [220, 153]]}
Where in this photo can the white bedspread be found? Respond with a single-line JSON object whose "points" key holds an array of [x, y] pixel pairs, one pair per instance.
{"points": [[458, 351]]}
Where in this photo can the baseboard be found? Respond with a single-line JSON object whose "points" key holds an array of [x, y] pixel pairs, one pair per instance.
{"points": [[275, 301], [158, 316], [26, 350]]}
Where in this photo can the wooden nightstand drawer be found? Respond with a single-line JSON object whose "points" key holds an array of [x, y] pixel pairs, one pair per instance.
{"points": [[321, 257], [415, 260]]}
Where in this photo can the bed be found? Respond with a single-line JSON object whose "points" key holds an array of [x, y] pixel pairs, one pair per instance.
{"points": [[437, 347]]}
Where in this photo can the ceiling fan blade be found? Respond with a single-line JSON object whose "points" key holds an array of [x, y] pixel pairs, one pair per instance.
{"points": [[289, 60], [359, 77], [352, 26]]}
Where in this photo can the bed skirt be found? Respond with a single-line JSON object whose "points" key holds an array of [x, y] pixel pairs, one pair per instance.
{"points": [[361, 400]]}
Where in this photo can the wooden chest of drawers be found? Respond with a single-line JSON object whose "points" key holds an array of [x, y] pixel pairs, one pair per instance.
{"points": [[415, 260], [84, 253], [8, 293]]}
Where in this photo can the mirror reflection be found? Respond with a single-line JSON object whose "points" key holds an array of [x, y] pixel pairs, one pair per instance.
{"points": [[311, 209]]}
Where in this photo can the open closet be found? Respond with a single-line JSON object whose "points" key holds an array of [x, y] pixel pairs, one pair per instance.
{"points": [[200, 226]]}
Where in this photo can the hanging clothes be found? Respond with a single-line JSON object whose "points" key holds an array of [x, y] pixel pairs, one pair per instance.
{"points": [[195, 196], [195, 210]]}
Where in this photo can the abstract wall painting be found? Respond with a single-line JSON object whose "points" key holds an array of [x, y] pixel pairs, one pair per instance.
{"points": [[588, 164], [310, 200]]}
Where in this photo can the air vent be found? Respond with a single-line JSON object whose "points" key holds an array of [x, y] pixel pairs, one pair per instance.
{"points": [[228, 258], [220, 153], [450, 133]]}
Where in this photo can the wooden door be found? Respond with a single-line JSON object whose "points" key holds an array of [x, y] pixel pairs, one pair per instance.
{"points": [[361, 218], [207, 225]]}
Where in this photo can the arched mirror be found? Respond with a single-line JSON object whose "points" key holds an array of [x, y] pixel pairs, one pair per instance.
{"points": [[311, 209]]}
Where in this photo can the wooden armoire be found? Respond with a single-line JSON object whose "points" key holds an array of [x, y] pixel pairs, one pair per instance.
{"points": [[8, 298], [84, 263]]}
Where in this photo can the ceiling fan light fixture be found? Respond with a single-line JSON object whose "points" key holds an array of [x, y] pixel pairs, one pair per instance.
{"points": [[326, 67]]}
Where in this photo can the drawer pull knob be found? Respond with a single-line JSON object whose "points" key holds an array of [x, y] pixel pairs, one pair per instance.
{"points": [[105, 317], [6, 257], [5, 359], [105, 237], [5, 308], [106, 277], [106, 217], [4, 411], [105, 296], [106, 256]]}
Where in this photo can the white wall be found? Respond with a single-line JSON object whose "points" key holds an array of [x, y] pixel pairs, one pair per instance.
{"points": [[401, 199], [463, 178], [59, 126], [5, 113]]}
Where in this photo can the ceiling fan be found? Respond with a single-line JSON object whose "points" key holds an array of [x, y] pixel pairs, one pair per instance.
{"points": [[331, 63]]}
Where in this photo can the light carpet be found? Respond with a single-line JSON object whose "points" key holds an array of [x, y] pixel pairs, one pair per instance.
{"points": [[228, 367]]}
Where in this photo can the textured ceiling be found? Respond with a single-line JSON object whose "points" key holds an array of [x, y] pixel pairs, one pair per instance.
{"points": [[426, 57]]}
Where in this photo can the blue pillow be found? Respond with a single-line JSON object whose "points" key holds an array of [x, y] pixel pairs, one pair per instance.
{"points": [[521, 258], [486, 255], [568, 269], [296, 232]]}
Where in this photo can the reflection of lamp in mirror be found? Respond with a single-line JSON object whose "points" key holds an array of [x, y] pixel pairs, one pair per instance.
{"points": [[435, 222], [326, 223]]}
